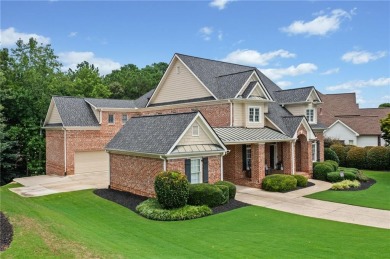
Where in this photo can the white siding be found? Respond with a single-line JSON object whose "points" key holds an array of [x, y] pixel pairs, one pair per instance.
{"points": [[203, 138], [239, 115], [97, 114], [54, 116], [180, 84], [300, 110], [91, 162], [363, 141], [339, 131]]}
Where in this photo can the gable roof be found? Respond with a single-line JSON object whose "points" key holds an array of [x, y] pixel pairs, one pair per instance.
{"points": [[75, 112], [142, 101], [110, 103], [296, 95], [363, 125], [249, 89]]}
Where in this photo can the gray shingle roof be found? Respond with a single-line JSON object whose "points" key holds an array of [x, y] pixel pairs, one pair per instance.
{"points": [[111, 103], [151, 134], [238, 134], [75, 112], [248, 89], [293, 95], [144, 99], [292, 123]]}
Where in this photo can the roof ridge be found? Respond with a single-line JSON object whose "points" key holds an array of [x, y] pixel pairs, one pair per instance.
{"points": [[208, 59], [237, 73], [294, 89], [166, 114]]}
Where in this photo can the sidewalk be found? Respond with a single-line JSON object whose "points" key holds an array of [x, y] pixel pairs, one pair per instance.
{"points": [[293, 202]]}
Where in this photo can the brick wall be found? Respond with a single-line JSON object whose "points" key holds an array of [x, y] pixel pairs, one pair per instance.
{"points": [[258, 163], [287, 166], [55, 163], [320, 137], [134, 174]]}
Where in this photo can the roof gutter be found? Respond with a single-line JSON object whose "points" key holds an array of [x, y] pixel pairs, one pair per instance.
{"points": [[257, 142]]}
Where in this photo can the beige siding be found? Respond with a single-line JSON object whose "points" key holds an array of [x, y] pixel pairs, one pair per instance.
{"points": [[239, 115], [297, 109], [54, 116], [203, 137], [269, 125], [91, 162], [180, 85]]}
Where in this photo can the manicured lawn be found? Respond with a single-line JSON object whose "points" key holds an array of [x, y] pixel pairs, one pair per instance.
{"points": [[377, 196], [81, 224]]}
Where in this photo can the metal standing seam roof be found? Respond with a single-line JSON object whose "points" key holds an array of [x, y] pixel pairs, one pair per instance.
{"points": [[239, 134], [196, 148]]}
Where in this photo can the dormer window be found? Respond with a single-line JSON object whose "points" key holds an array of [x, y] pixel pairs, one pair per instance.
{"points": [[111, 119], [195, 131], [124, 118], [254, 114], [310, 115]]}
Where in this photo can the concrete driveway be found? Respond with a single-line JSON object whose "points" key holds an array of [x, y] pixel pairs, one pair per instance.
{"points": [[41, 185], [293, 202]]}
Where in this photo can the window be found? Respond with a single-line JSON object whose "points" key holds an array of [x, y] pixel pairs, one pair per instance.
{"points": [[310, 115], [124, 118], [314, 151], [111, 119], [195, 130], [248, 157], [350, 142], [254, 114], [178, 70], [196, 176]]}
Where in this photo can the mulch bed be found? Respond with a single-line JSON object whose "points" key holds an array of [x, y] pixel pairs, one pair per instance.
{"points": [[131, 201], [6, 233], [363, 186]]}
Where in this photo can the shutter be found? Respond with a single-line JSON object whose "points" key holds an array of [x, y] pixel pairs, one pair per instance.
{"points": [[187, 167], [205, 170], [318, 150], [244, 157]]}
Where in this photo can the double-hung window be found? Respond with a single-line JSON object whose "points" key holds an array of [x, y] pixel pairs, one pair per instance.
{"points": [[248, 157], [124, 118], [254, 114], [111, 119], [310, 115], [314, 151], [196, 173]]}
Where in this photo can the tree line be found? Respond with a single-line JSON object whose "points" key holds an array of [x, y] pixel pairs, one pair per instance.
{"points": [[30, 74]]}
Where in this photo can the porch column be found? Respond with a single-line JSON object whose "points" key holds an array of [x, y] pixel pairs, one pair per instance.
{"points": [[258, 162], [288, 156]]}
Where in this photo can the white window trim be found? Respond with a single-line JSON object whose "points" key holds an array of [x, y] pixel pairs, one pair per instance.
{"points": [[314, 151], [124, 122], [200, 170], [195, 131], [254, 108], [113, 119], [308, 118]]}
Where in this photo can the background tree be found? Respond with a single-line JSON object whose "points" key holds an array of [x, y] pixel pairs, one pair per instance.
{"points": [[383, 105], [385, 128]]}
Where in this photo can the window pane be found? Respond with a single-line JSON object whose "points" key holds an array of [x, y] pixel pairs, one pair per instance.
{"points": [[314, 152], [248, 156], [257, 115], [124, 118], [195, 171], [111, 118], [250, 114]]}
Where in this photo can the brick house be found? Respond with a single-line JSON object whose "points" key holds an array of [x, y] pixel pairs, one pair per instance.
{"points": [[263, 128]]}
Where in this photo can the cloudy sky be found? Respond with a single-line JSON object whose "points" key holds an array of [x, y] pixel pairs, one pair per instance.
{"points": [[335, 46]]}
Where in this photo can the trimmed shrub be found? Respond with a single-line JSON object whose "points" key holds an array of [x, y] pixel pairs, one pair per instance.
{"points": [[279, 183], [334, 164], [378, 158], [152, 209], [321, 170], [368, 148], [334, 177], [331, 155], [356, 157], [171, 189], [316, 163], [301, 180], [225, 191], [231, 186], [205, 194], [346, 184], [360, 176], [349, 176], [341, 152]]}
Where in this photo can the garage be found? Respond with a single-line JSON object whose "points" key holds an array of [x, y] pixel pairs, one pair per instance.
{"points": [[91, 162]]}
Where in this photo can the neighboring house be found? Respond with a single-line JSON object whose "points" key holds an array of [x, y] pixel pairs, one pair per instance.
{"points": [[346, 122], [209, 119]]}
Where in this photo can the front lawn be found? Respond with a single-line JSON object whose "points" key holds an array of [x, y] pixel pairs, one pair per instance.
{"points": [[83, 225], [377, 196]]}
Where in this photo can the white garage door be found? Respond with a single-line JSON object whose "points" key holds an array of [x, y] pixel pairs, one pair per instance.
{"points": [[91, 162]]}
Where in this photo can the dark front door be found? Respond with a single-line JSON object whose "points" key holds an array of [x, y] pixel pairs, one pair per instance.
{"points": [[272, 156]]}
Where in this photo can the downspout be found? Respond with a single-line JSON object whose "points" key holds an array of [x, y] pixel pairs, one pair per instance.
{"points": [[165, 162], [65, 149], [231, 113], [222, 166], [293, 157]]}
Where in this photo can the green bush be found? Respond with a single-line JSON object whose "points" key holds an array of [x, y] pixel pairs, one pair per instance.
{"points": [[231, 186], [331, 155], [360, 176], [225, 191], [321, 170], [346, 184], [152, 209], [341, 152], [171, 189], [349, 176], [334, 177], [205, 194], [316, 163], [356, 157], [301, 180], [378, 158], [279, 183], [334, 164]]}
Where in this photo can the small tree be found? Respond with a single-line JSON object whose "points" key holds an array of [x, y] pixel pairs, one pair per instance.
{"points": [[172, 189], [385, 128]]}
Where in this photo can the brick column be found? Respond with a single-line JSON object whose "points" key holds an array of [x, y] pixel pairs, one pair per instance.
{"points": [[287, 165], [320, 137], [258, 162]]}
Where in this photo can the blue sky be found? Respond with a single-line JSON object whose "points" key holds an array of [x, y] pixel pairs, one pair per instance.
{"points": [[335, 46]]}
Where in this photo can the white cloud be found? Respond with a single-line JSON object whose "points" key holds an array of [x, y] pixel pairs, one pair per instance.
{"points": [[72, 34], [353, 85], [331, 71], [277, 73], [220, 4], [220, 35], [206, 32], [321, 25], [72, 58], [361, 57], [283, 84], [10, 36], [253, 57]]}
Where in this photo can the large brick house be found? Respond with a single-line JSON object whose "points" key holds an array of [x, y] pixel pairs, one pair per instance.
{"points": [[233, 123]]}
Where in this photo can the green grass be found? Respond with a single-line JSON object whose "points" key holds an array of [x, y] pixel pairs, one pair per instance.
{"points": [[81, 224], [377, 196]]}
